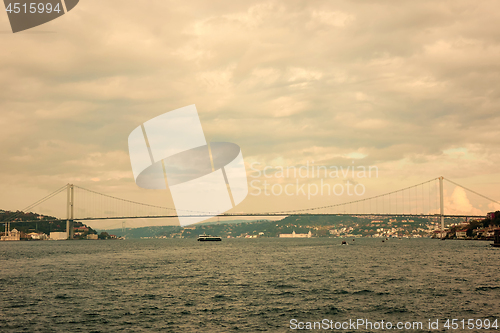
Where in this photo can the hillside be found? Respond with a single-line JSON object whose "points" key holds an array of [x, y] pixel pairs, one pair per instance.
{"points": [[37, 223], [320, 226]]}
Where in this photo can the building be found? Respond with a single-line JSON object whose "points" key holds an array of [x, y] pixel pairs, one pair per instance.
{"points": [[294, 235], [58, 235], [490, 232], [37, 236], [440, 234], [461, 234], [92, 236], [13, 235]]}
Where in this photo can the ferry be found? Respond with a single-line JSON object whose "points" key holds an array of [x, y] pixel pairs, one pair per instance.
{"points": [[208, 238]]}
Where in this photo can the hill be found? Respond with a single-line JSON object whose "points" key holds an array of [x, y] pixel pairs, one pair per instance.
{"points": [[33, 222], [319, 225]]}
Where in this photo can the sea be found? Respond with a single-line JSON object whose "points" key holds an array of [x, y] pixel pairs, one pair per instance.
{"points": [[249, 285]]}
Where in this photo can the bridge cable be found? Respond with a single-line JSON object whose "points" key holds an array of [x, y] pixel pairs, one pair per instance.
{"points": [[47, 197], [483, 196]]}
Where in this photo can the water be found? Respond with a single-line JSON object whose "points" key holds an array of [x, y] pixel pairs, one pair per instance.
{"points": [[242, 285]]}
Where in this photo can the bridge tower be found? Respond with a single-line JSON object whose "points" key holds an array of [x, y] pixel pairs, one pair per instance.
{"points": [[70, 211], [441, 203]]}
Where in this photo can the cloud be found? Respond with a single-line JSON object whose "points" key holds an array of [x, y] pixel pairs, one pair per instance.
{"points": [[494, 206], [459, 204]]}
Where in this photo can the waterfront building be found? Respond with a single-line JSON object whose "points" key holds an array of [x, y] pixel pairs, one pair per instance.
{"points": [[295, 235], [37, 236], [11, 235], [58, 235], [440, 233], [461, 234]]}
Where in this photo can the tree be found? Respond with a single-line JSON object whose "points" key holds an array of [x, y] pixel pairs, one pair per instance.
{"points": [[103, 235]]}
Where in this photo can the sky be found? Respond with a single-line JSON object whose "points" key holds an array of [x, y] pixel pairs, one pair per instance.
{"points": [[409, 87]]}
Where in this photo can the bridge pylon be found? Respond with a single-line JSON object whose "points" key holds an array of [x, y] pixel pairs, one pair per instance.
{"points": [[70, 211], [441, 203]]}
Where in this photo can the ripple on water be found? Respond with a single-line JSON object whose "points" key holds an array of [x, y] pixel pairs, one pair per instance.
{"points": [[240, 285]]}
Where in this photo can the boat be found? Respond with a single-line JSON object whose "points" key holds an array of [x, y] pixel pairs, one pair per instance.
{"points": [[496, 240], [208, 238]]}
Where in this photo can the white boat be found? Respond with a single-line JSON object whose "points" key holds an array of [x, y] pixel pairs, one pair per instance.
{"points": [[208, 238]]}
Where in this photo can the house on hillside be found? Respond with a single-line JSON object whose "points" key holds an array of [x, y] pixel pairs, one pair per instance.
{"points": [[461, 234]]}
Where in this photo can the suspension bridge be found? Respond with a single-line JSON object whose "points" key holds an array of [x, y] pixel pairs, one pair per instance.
{"points": [[425, 199]]}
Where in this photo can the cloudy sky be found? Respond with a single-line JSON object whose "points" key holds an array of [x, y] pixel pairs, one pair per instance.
{"points": [[409, 87]]}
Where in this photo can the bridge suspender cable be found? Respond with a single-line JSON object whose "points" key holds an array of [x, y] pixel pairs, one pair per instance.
{"points": [[124, 200], [356, 207], [47, 197], [355, 201]]}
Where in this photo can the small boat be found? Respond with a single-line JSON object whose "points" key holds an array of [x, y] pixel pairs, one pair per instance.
{"points": [[344, 243], [496, 241], [208, 238]]}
